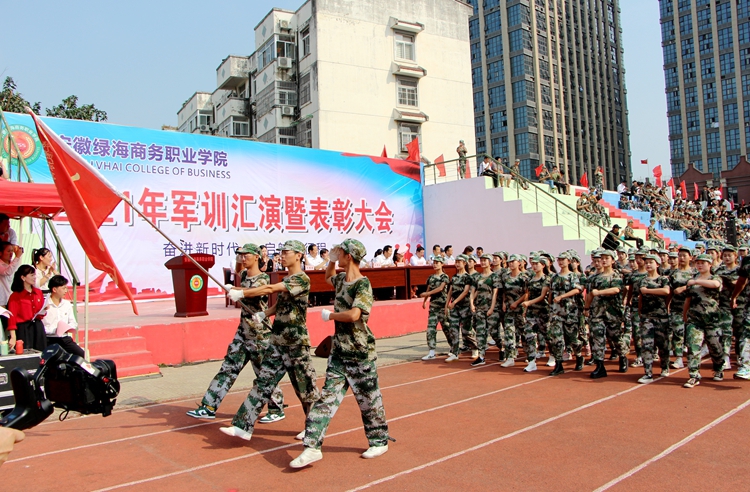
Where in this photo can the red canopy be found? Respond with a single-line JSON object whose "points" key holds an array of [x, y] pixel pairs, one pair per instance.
{"points": [[36, 200]]}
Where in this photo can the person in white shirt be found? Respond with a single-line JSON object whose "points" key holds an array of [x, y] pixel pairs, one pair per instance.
{"points": [[385, 259], [436, 251], [621, 188], [60, 317], [448, 255], [418, 259], [44, 263], [312, 260], [6, 233], [10, 260]]}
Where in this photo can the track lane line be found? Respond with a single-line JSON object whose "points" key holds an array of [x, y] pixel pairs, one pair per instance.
{"points": [[673, 447]]}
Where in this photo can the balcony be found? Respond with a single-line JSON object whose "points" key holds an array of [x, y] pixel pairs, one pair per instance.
{"points": [[231, 107], [232, 71], [408, 70]]}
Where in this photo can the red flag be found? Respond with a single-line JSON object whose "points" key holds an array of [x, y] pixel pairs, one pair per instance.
{"points": [[683, 189], [644, 161], [384, 153], [538, 170], [87, 199], [695, 190], [670, 183], [585, 180], [413, 148], [440, 166], [657, 172]]}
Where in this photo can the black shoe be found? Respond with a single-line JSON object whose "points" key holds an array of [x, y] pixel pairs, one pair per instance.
{"points": [[501, 357], [558, 369], [591, 362], [623, 364], [579, 363], [613, 356], [600, 371]]}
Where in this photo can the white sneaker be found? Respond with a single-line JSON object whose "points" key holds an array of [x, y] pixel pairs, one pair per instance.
{"points": [[704, 351], [727, 363], [678, 363], [539, 354], [491, 342], [646, 379], [451, 358], [429, 356], [510, 362], [300, 436], [375, 451], [270, 418], [531, 367], [308, 456], [237, 432], [551, 361], [474, 354]]}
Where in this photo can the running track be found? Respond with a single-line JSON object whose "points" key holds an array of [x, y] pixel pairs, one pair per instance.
{"points": [[486, 428]]}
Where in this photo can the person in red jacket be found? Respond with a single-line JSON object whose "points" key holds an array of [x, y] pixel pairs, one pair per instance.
{"points": [[25, 303]]}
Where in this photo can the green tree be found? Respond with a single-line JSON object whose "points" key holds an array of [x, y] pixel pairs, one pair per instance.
{"points": [[11, 100], [69, 109]]}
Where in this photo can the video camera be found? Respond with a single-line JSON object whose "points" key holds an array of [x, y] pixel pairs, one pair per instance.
{"points": [[64, 381]]}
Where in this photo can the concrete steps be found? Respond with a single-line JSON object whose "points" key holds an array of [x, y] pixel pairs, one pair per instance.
{"points": [[128, 351]]}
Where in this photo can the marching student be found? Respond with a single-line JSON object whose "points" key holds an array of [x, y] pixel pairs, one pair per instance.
{"points": [[459, 309], [564, 287], [678, 279], [654, 327], [437, 285], [514, 293], [289, 350], [483, 305], [352, 359], [537, 313]]}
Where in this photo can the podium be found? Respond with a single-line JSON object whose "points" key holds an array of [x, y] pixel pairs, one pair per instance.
{"points": [[190, 289]]}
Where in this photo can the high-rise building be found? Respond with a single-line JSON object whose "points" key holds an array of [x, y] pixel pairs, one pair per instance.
{"points": [[706, 45], [549, 85], [352, 76]]}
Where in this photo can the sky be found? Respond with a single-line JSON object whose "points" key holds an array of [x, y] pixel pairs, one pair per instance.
{"points": [[140, 61]]}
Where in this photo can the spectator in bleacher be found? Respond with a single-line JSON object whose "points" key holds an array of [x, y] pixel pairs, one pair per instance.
{"points": [[44, 263], [544, 177], [612, 241], [559, 181], [6, 233], [629, 234], [418, 259], [60, 317], [489, 168], [26, 303]]}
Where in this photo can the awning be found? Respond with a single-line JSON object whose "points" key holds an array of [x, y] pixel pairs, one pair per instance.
{"points": [[36, 200]]}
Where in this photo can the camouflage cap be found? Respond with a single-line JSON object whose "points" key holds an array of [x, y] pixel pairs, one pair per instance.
{"points": [[499, 254], [515, 258], [438, 259], [641, 252], [673, 246], [463, 258], [656, 258], [631, 251], [354, 248], [700, 246], [596, 253], [486, 256], [704, 257], [663, 252], [248, 248], [673, 254], [713, 246], [631, 257], [743, 247], [608, 252], [685, 248], [564, 255], [621, 249], [729, 247], [294, 245], [472, 258]]}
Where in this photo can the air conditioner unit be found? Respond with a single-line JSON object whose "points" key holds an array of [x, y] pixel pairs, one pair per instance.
{"points": [[204, 128], [284, 24], [285, 62], [287, 110]]}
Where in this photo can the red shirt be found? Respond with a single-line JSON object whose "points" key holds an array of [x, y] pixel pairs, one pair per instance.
{"points": [[24, 305]]}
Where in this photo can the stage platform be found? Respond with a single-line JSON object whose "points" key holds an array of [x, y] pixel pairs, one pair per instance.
{"points": [[139, 344]]}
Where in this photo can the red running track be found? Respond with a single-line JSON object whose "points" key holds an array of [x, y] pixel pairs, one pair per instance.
{"points": [[487, 428]]}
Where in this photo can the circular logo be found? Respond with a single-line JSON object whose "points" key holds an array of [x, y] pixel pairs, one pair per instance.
{"points": [[27, 141], [196, 283]]}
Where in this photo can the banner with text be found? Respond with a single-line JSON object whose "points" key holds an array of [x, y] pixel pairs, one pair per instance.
{"points": [[212, 194]]}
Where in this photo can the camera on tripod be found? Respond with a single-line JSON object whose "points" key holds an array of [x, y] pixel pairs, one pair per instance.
{"points": [[63, 381]]}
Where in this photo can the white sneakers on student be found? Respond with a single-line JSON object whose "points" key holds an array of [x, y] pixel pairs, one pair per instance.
{"points": [[308, 456], [375, 451], [300, 436], [237, 432], [531, 367]]}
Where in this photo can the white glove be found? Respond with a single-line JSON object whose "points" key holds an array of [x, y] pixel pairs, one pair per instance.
{"points": [[259, 317], [326, 315], [228, 287], [333, 255], [236, 294]]}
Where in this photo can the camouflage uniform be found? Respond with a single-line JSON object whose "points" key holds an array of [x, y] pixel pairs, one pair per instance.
{"points": [[460, 315], [678, 278], [514, 289], [654, 238], [703, 325], [462, 151], [250, 344], [654, 323], [634, 331], [605, 317], [743, 336], [564, 316], [437, 309], [289, 353], [496, 320], [537, 316], [485, 286], [351, 363], [471, 336], [729, 325]]}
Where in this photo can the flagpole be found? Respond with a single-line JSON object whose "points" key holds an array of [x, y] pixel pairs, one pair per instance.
{"points": [[86, 308]]}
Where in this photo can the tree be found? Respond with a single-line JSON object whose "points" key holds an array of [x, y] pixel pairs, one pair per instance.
{"points": [[11, 100], [69, 109]]}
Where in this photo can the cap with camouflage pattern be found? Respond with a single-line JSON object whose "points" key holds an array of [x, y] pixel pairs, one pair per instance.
{"points": [[438, 259], [743, 247], [608, 252], [248, 248], [700, 246], [462, 257], [656, 258], [663, 252], [354, 248], [514, 258], [641, 252], [499, 254], [294, 245], [486, 256], [704, 257], [729, 247], [564, 255], [673, 254]]}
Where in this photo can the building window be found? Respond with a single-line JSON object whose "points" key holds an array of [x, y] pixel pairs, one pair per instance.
{"points": [[266, 54], [675, 125], [494, 46], [693, 121], [304, 89], [694, 145], [500, 147], [709, 92], [744, 58], [478, 102], [723, 13], [711, 117], [713, 143], [746, 112], [691, 96], [305, 42], [698, 164], [476, 77], [714, 166], [405, 47], [731, 114], [743, 8], [522, 143], [406, 133], [284, 49], [676, 148], [667, 30], [688, 48], [304, 133], [407, 92], [495, 72], [519, 118], [732, 138], [474, 29], [670, 76], [678, 169], [686, 25], [240, 129], [518, 14], [673, 100], [728, 88], [498, 122], [492, 22], [496, 95], [287, 98], [479, 125], [725, 38], [707, 68], [743, 33], [666, 8], [476, 53], [688, 72], [704, 19], [706, 43], [670, 53], [726, 63]]}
